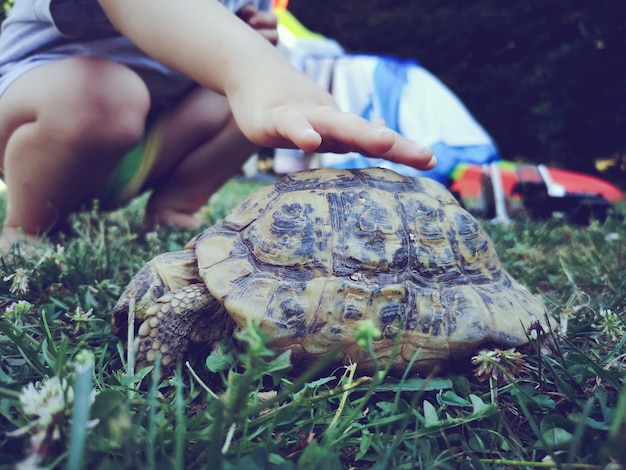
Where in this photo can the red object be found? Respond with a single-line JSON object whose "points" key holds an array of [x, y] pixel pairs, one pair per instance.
{"points": [[467, 181], [280, 4], [580, 183]]}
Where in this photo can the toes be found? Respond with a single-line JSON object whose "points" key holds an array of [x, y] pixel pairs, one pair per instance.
{"points": [[153, 337], [168, 325]]}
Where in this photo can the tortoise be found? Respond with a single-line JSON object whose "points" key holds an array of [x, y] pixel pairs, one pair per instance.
{"points": [[312, 256]]}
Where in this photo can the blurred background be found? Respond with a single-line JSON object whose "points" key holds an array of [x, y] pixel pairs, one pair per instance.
{"points": [[547, 79]]}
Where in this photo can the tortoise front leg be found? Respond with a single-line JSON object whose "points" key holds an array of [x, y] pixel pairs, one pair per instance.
{"points": [[164, 274], [179, 318]]}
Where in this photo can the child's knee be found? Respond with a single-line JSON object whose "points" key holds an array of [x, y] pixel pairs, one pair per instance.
{"points": [[105, 126], [105, 104], [114, 107]]}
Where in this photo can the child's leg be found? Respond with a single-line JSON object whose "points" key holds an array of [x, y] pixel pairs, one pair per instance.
{"points": [[64, 126], [202, 148]]}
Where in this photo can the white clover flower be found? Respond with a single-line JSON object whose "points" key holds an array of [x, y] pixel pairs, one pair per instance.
{"points": [[81, 318], [497, 364], [80, 315], [59, 257], [152, 237], [610, 324], [60, 251], [606, 312], [17, 310], [49, 404], [46, 399], [10, 313], [19, 280]]}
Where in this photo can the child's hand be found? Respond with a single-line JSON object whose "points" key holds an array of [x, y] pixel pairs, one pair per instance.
{"points": [[298, 113], [263, 22], [274, 104], [301, 122]]}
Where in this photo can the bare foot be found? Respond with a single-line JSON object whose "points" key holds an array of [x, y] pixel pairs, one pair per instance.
{"points": [[12, 237], [174, 219]]}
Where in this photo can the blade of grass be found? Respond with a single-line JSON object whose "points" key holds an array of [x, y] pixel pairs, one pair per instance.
{"points": [[28, 347], [578, 433], [181, 422], [619, 422], [83, 388], [8, 393], [130, 346], [152, 411]]}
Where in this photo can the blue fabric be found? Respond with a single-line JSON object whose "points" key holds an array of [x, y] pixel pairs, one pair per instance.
{"points": [[449, 157], [390, 81], [390, 78]]}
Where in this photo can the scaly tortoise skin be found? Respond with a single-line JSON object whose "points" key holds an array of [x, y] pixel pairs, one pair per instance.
{"points": [[321, 250]]}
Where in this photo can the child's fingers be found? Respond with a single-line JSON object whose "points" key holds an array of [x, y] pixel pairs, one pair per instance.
{"points": [[409, 153], [264, 22], [246, 12], [343, 132], [288, 127], [327, 129]]}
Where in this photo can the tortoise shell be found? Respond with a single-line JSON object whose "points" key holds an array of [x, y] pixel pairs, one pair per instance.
{"points": [[322, 250]]}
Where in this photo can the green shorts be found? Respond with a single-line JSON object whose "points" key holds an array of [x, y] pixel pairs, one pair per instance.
{"points": [[129, 178]]}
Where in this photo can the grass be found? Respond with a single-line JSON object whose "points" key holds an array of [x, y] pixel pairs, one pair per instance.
{"points": [[89, 409]]}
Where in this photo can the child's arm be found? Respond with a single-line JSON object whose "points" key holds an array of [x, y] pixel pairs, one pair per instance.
{"points": [[273, 103]]}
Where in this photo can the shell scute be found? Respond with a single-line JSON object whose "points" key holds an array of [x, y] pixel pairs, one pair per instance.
{"points": [[291, 234]]}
